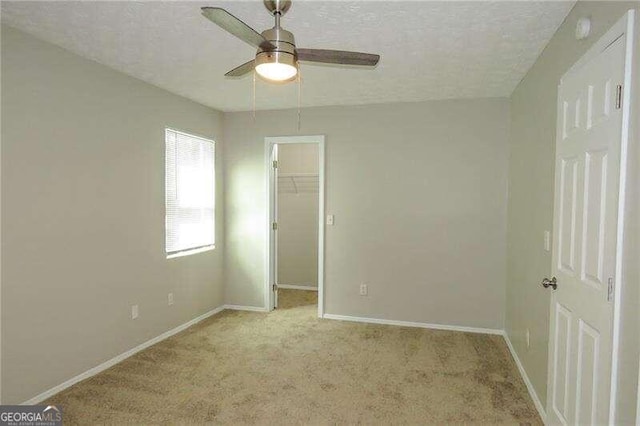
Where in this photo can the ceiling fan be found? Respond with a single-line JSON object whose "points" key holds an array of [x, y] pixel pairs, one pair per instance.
{"points": [[277, 56]]}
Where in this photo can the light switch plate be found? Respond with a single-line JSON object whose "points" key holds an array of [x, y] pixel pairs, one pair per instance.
{"points": [[330, 219], [134, 312], [547, 241]]}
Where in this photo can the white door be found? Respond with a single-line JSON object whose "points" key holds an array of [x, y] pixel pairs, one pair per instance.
{"points": [[273, 279], [588, 147]]}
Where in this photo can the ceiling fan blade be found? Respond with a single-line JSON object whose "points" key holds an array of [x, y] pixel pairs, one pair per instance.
{"points": [[242, 69], [235, 26], [337, 57]]}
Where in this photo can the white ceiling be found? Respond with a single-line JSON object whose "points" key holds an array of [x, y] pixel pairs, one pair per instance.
{"points": [[429, 50]]}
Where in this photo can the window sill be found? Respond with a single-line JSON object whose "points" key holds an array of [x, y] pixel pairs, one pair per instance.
{"points": [[191, 251]]}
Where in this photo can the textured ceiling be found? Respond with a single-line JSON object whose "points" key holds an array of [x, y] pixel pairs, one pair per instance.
{"points": [[430, 50]]}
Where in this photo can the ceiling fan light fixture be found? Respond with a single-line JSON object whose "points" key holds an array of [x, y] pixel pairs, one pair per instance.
{"points": [[277, 56], [276, 66]]}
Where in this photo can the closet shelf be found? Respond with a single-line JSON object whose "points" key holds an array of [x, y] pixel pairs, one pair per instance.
{"points": [[298, 183]]}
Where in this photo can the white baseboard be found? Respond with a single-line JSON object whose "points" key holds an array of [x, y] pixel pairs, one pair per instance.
{"points": [[246, 308], [297, 287], [113, 361], [525, 377], [415, 324]]}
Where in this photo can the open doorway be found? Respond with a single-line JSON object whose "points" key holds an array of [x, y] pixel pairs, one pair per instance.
{"points": [[295, 222]]}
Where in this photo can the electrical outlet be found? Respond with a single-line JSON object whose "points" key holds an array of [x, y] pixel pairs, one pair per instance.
{"points": [[170, 299], [528, 338], [134, 311], [363, 290], [330, 219]]}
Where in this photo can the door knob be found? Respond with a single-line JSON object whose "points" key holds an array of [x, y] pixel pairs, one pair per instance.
{"points": [[553, 283]]}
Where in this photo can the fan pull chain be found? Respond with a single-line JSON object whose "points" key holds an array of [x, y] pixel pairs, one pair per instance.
{"points": [[254, 95], [299, 96]]}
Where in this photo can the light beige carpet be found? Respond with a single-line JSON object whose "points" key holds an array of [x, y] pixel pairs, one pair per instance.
{"points": [[289, 367]]}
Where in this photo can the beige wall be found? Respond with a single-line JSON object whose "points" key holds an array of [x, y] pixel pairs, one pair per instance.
{"points": [[418, 191], [531, 176], [298, 215], [83, 216], [298, 158]]}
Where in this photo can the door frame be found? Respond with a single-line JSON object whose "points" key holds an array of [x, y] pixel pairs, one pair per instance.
{"points": [[624, 27], [270, 266]]}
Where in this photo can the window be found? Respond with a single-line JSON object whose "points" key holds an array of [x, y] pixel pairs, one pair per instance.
{"points": [[190, 193]]}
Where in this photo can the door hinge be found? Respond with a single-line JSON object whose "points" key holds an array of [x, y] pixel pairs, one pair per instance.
{"points": [[610, 289], [274, 226], [274, 287], [619, 96], [275, 164]]}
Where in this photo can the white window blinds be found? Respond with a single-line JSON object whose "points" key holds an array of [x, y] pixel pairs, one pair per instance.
{"points": [[190, 192]]}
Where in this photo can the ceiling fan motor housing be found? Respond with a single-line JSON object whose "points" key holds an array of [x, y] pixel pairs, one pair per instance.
{"points": [[285, 48], [277, 6]]}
